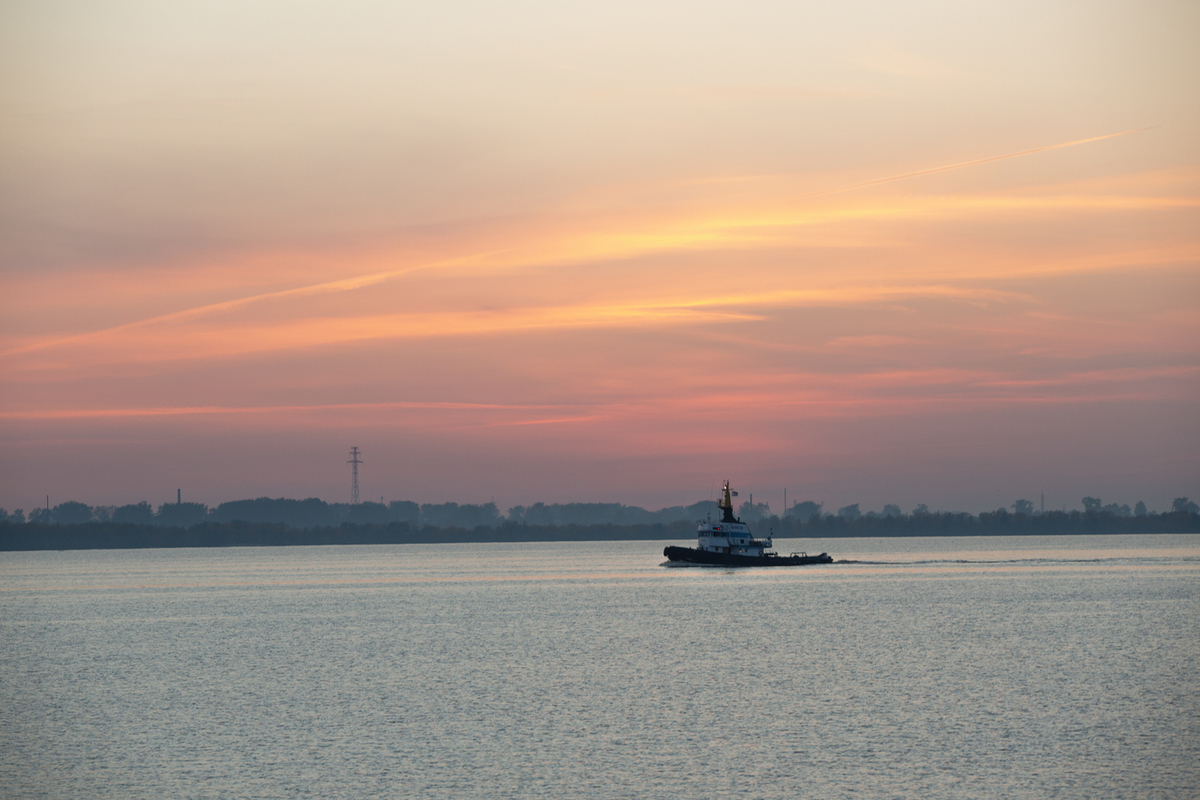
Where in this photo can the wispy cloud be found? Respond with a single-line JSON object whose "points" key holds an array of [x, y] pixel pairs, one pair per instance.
{"points": [[762, 227], [193, 411], [979, 161], [174, 338], [844, 393], [765, 228]]}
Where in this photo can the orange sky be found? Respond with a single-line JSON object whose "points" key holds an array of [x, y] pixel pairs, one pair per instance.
{"points": [[600, 253]]}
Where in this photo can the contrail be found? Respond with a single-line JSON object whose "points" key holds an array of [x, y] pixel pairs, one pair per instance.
{"points": [[978, 161]]}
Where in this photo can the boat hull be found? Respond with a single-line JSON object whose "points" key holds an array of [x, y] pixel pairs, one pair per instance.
{"points": [[693, 556]]}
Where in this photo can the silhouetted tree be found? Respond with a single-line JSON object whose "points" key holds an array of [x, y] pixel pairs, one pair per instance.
{"points": [[138, 514], [805, 511], [71, 513], [1091, 505], [1185, 505], [40, 515], [1117, 510], [537, 514], [15, 518], [1140, 509], [452, 515], [368, 513], [921, 510], [1023, 507], [404, 511], [604, 514], [892, 510], [308, 513], [748, 512], [849, 512], [692, 513], [181, 515]]}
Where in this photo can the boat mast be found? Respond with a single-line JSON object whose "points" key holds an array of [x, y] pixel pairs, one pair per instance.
{"points": [[726, 505]]}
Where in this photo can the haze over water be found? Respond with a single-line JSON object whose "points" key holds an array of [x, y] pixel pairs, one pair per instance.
{"points": [[1014, 667]]}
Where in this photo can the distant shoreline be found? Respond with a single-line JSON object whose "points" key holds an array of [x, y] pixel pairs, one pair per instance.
{"points": [[126, 536]]}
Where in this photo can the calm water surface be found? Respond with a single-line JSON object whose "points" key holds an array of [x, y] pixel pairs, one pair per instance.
{"points": [[927, 667]]}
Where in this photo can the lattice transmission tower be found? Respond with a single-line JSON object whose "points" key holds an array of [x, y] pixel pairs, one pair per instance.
{"points": [[355, 461]]}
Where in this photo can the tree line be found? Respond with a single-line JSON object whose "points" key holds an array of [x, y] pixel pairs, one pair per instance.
{"points": [[315, 513], [66, 527]]}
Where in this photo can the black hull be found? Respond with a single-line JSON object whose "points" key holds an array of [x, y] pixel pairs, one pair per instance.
{"points": [[693, 556]]}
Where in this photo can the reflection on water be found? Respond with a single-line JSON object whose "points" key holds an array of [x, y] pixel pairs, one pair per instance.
{"points": [[952, 667]]}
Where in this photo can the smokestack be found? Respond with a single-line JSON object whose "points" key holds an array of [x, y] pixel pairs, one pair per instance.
{"points": [[179, 497]]}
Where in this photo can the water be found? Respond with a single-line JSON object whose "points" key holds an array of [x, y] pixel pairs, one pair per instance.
{"points": [[954, 667]]}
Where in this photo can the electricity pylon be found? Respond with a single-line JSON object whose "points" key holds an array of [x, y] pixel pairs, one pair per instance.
{"points": [[354, 459]]}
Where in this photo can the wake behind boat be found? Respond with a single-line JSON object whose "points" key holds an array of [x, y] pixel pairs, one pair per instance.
{"points": [[729, 543]]}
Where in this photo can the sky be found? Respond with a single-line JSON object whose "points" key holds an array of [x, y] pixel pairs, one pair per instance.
{"points": [[864, 252]]}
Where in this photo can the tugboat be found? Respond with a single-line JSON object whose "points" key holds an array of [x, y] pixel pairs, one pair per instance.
{"points": [[728, 543]]}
